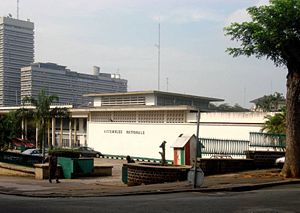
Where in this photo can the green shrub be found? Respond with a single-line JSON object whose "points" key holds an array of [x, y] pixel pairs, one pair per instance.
{"points": [[68, 153]]}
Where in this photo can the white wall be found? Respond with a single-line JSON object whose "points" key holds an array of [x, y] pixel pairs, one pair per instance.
{"points": [[140, 145], [234, 117], [212, 125], [231, 125]]}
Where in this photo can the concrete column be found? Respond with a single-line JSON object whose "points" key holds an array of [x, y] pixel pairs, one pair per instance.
{"points": [[87, 131], [70, 133], [53, 132], [81, 120], [75, 131], [36, 137], [61, 133]]}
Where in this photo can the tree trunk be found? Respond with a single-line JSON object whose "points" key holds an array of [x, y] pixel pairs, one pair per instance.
{"points": [[291, 167]]}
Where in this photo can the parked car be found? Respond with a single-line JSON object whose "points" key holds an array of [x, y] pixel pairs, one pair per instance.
{"points": [[85, 151], [32, 152], [21, 144], [279, 162]]}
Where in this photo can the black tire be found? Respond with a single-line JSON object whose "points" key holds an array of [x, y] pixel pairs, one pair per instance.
{"points": [[98, 155], [80, 155]]}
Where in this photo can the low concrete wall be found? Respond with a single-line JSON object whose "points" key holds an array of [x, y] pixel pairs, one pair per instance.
{"points": [[222, 166], [150, 173], [102, 171], [42, 171], [264, 159]]}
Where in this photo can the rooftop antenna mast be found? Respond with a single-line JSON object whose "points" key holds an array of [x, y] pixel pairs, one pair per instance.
{"points": [[158, 59], [167, 84], [17, 9]]}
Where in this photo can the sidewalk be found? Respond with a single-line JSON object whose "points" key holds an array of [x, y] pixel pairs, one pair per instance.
{"points": [[112, 186]]}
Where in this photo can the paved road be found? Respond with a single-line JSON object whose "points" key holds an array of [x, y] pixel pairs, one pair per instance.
{"points": [[276, 199]]}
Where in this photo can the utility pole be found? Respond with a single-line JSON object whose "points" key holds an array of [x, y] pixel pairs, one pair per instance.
{"points": [[196, 147], [167, 84], [158, 58]]}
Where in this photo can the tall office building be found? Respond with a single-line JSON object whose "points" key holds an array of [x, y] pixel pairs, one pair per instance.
{"points": [[68, 85], [16, 51]]}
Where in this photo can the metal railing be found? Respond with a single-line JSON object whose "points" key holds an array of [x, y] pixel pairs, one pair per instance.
{"points": [[275, 141], [223, 148]]}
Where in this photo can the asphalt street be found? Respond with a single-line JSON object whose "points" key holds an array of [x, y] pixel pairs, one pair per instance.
{"points": [[280, 199]]}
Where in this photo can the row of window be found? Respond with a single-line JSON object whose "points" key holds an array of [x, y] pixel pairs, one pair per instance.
{"points": [[123, 100], [139, 117]]}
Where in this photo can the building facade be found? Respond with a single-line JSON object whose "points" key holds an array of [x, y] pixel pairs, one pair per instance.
{"points": [[139, 131], [136, 123], [16, 51], [68, 85]]}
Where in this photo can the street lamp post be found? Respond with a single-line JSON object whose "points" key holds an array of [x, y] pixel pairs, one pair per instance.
{"points": [[196, 147]]}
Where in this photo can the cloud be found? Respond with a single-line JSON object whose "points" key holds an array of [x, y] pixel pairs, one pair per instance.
{"points": [[241, 15], [119, 36], [187, 15], [262, 2]]}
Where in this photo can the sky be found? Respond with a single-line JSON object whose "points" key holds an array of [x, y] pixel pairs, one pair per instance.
{"points": [[121, 36]]}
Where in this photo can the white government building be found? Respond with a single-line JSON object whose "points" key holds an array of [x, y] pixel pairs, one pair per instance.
{"points": [[136, 123]]}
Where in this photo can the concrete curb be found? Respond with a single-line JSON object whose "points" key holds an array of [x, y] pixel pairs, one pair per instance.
{"points": [[239, 188], [233, 188]]}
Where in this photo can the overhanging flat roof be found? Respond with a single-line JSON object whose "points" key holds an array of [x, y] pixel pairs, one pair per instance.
{"points": [[154, 92], [134, 108]]}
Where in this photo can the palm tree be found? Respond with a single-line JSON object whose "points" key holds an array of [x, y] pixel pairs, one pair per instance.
{"points": [[275, 124], [42, 113]]}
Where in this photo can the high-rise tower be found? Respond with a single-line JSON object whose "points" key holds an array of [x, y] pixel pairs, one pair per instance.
{"points": [[16, 51]]}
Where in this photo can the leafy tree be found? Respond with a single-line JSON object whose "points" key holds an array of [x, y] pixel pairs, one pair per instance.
{"points": [[269, 103], [9, 128], [227, 108], [2, 133], [274, 33]]}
